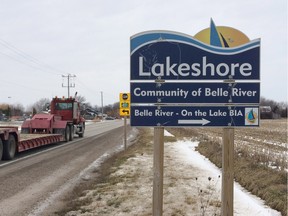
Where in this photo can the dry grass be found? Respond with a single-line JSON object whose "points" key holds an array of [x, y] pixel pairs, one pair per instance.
{"points": [[264, 182], [255, 151]]}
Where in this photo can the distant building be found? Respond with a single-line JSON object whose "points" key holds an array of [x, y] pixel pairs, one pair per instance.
{"points": [[266, 112]]}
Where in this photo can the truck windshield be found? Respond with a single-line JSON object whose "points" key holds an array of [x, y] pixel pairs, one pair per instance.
{"points": [[63, 106]]}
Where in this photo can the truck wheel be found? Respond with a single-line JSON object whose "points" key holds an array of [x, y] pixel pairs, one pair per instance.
{"points": [[1, 149], [81, 134], [71, 132], [66, 134], [9, 148]]}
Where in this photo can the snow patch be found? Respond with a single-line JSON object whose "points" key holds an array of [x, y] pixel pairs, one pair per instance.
{"points": [[167, 134], [244, 202]]}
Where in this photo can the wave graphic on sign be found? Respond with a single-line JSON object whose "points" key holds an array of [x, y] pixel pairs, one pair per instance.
{"points": [[149, 37], [214, 53]]}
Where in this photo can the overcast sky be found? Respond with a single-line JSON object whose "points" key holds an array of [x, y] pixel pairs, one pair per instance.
{"points": [[41, 40]]}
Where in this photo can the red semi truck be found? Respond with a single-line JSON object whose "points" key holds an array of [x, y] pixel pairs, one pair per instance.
{"points": [[60, 124]]}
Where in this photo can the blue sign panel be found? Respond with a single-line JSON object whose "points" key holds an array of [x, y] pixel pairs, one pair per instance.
{"points": [[180, 116], [200, 93], [175, 56]]}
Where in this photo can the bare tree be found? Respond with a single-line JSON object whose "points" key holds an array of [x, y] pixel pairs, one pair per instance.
{"points": [[17, 109], [41, 105], [80, 99]]}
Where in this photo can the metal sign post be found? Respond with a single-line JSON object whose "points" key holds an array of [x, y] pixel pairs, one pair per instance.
{"points": [[124, 111], [125, 132]]}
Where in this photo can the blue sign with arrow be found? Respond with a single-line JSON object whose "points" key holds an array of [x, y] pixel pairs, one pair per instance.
{"points": [[194, 116]]}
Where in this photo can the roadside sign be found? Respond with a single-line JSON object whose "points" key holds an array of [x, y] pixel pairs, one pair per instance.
{"points": [[169, 55], [179, 74], [124, 112], [124, 104], [196, 93], [124, 97], [194, 116], [221, 54]]}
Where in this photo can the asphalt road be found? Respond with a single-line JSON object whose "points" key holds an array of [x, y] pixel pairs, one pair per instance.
{"points": [[34, 180]]}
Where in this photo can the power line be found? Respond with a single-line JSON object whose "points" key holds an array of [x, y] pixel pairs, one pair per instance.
{"points": [[24, 63], [85, 86], [28, 59]]}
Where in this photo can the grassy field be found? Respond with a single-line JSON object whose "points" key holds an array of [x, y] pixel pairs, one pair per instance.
{"points": [[260, 158]]}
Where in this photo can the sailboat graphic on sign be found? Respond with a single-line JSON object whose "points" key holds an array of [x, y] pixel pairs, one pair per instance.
{"points": [[251, 116]]}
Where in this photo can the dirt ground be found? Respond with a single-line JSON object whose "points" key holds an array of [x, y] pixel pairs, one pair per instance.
{"points": [[127, 190]]}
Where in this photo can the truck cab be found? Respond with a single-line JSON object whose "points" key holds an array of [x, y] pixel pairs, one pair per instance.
{"points": [[64, 118], [67, 108]]}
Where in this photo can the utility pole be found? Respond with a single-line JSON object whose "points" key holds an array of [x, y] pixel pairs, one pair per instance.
{"points": [[70, 83], [102, 103], [10, 109]]}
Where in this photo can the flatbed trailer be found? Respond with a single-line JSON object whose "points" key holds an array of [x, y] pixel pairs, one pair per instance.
{"points": [[12, 142]]}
